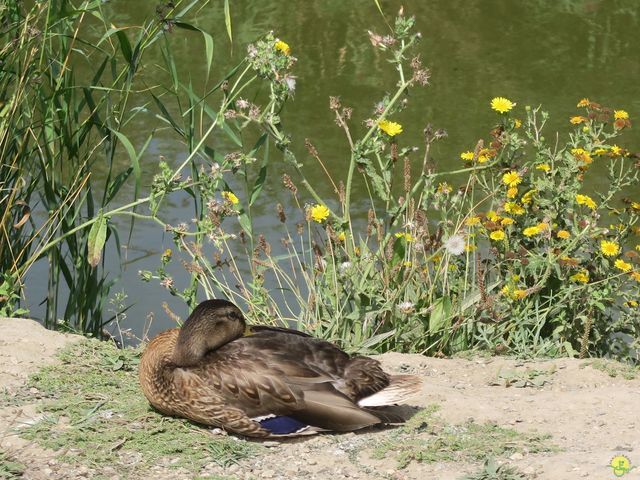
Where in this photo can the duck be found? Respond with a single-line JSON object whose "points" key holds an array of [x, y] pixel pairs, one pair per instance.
{"points": [[263, 381]]}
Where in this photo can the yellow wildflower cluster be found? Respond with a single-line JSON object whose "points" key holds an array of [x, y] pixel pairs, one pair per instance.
{"points": [[563, 234], [512, 192], [584, 103], [578, 119], [545, 167]]}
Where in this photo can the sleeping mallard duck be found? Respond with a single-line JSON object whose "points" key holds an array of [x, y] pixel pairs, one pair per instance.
{"points": [[264, 381]]}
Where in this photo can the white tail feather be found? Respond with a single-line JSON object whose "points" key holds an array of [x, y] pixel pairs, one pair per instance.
{"points": [[401, 388]]}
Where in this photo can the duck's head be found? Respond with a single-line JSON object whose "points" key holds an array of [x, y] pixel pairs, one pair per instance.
{"points": [[211, 324]]}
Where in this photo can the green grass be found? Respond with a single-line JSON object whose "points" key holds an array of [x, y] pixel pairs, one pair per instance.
{"points": [[614, 368], [10, 469], [93, 404], [426, 438]]}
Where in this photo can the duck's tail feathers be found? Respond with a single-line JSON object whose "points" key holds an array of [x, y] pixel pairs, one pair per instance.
{"points": [[401, 388]]}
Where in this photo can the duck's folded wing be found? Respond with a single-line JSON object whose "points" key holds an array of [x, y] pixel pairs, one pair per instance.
{"points": [[331, 410]]}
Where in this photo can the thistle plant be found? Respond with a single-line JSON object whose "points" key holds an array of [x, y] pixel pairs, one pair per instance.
{"points": [[518, 258]]}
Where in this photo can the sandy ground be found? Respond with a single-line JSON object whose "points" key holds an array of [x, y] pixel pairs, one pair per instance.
{"points": [[590, 415]]}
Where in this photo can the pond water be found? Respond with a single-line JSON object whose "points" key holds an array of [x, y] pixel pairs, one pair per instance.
{"points": [[534, 52]]}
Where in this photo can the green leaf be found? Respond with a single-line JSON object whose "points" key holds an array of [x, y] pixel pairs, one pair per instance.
{"points": [[399, 249], [245, 223], [97, 237], [440, 318], [262, 174], [125, 45], [133, 156], [227, 19]]}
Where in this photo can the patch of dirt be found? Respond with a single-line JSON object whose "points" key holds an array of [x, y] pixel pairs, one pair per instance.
{"points": [[590, 415]]}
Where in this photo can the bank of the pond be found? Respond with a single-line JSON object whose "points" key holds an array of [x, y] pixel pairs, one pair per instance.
{"points": [[554, 419]]}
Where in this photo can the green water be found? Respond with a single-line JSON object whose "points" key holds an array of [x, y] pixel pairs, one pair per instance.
{"points": [[551, 52]]}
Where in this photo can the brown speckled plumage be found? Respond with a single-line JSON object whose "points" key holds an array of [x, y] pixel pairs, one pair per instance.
{"points": [[214, 372]]}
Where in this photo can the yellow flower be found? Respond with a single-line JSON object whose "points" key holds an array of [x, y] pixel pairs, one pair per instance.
{"points": [[519, 294], [609, 248], [531, 231], [517, 123], [472, 221], [582, 155], [282, 47], [407, 263], [342, 237], [638, 247], [468, 155], [512, 192], [599, 151], [506, 221], [470, 247], [581, 277], [631, 304], [563, 234], [390, 128], [511, 178], [485, 154], [528, 197], [230, 197], [407, 236], [514, 208], [584, 103], [586, 200], [319, 213], [545, 167], [635, 276], [577, 120], [492, 216], [620, 115], [506, 290], [622, 265], [635, 205], [616, 150], [502, 105], [497, 235], [445, 188]]}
